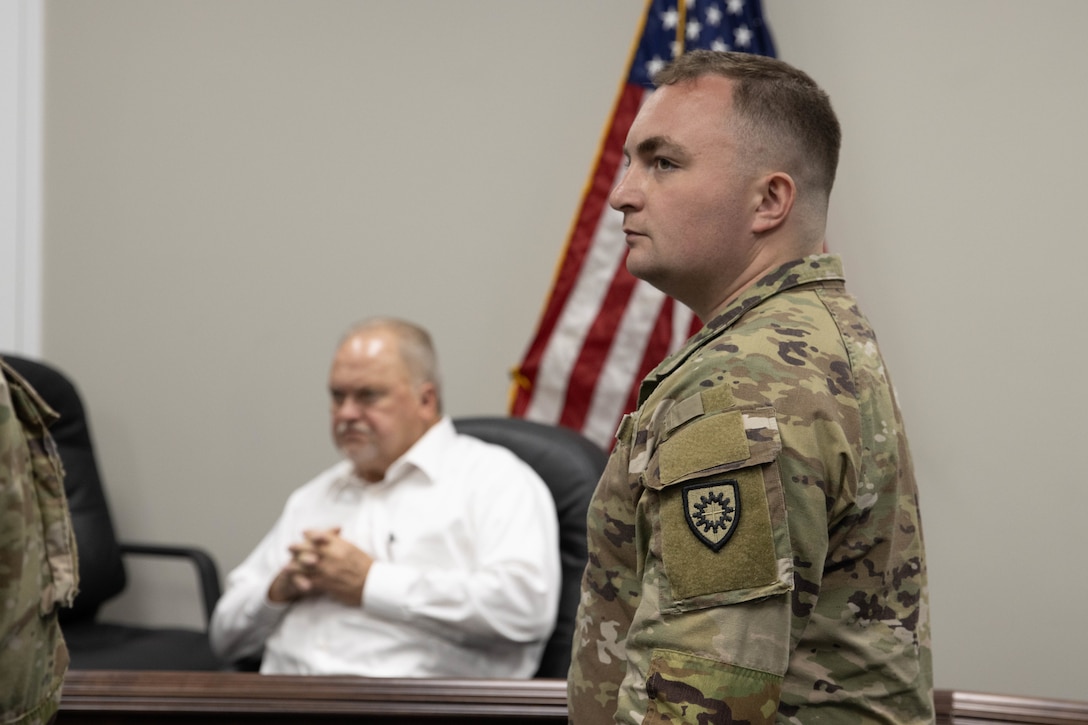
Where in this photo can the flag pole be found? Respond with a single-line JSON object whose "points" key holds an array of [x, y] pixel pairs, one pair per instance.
{"points": [[681, 26]]}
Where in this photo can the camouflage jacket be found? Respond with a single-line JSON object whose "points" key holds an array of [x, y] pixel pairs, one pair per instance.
{"points": [[37, 557], [755, 549]]}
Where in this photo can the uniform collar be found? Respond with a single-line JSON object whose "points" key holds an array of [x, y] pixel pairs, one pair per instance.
{"points": [[814, 268]]}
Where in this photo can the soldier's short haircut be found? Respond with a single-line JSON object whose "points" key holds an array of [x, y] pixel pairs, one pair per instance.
{"points": [[778, 106]]}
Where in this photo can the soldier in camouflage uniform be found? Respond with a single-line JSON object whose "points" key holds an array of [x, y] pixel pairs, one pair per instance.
{"points": [[755, 547], [37, 557]]}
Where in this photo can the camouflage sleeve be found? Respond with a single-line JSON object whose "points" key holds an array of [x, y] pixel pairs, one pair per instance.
{"points": [[37, 557], [711, 637]]}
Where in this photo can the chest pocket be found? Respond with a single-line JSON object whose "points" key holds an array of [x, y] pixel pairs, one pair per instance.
{"points": [[723, 537]]}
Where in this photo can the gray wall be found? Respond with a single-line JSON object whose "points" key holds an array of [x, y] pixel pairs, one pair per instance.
{"points": [[228, 184]]}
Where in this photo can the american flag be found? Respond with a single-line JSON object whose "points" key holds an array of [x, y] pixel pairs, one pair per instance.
{"points": [[602, 330]]}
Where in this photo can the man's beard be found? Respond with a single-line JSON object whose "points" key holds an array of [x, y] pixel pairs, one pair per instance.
{"points": [[354, 449]]}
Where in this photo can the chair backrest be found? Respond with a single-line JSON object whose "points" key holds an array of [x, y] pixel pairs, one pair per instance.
{"points": [[101, 570], [570, 465]]}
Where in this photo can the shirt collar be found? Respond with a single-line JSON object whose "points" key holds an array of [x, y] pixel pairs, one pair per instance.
{"points": [[426, 454]]}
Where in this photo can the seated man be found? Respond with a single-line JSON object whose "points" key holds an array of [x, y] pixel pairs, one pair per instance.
{"points": [[424, 554]]}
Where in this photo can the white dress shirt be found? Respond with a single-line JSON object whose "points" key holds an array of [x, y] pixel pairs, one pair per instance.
{"points": [[465, 582]]}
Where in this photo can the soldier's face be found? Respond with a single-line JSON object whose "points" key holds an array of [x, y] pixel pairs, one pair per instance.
{"points": [[378, 412], [686, 196]]}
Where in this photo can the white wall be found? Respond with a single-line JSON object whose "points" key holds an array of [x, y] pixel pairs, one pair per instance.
{"points": [[958, 212], [20, 175], [230, 183]]}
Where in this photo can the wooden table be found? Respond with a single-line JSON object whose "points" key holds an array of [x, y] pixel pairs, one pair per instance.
{"points": [[209, 698]]}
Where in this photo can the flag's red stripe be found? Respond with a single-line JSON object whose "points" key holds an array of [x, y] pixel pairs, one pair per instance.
{"points": [[695, 325], [657, 348], [581, 239]]}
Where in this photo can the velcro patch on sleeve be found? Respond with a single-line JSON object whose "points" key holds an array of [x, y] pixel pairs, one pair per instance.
{"points": [[703, 444], [724, 535], [705, 402], [717, 539]]}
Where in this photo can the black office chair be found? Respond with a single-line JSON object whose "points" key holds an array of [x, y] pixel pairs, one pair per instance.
{"points": [[570, 465], [94, 644]]}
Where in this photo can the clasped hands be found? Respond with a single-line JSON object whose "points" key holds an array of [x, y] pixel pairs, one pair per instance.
{"points": [[323, 563]]}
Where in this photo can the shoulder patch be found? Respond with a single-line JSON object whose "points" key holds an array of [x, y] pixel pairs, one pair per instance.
{"points": [[712, 511], [721, 539]]}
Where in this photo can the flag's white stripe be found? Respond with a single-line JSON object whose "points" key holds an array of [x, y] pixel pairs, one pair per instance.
{"points": [[681, 324], [605, 254], [620, 368]]}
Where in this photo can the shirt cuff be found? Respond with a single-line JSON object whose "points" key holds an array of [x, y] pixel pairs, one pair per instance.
{"points": [[269, 611], [386, 590]]}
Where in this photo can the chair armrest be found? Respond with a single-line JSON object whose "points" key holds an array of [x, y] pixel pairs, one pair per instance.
{"points": [[207, 571]]}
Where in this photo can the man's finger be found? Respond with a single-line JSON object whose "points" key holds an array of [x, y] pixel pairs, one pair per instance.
{"points": [[320, 537]]}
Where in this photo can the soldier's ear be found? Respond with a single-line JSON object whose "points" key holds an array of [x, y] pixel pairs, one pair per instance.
{"points": [[777, 193]]}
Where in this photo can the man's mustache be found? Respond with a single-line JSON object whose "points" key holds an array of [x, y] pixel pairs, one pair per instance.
{"points": [[352, 427]]}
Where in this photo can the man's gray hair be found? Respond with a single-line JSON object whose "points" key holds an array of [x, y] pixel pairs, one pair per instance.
{"points": [[414, 345]]}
